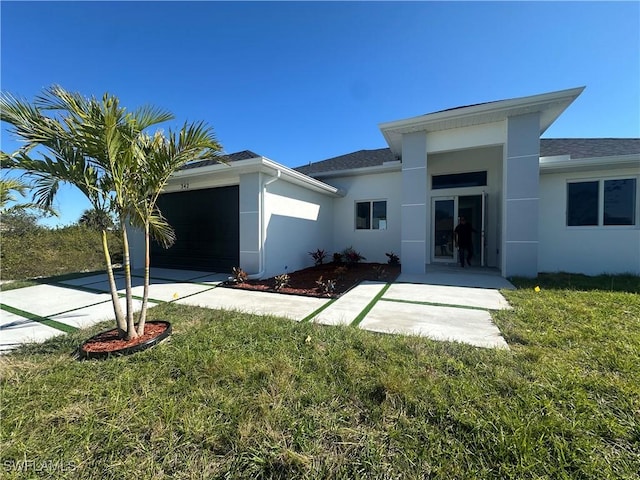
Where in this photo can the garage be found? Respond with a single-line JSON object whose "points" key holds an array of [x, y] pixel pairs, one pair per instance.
{"points": [[207, 229]]}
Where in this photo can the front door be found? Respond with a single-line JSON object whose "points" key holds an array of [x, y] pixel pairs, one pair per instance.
{"points": [[442, 232], [446, 215]]}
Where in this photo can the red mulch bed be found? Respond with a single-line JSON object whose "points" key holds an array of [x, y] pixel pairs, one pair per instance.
{"points": [[109, 341], [303, 282]]}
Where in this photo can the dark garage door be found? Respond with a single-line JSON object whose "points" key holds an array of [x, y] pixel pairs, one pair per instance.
{"points": [[207, 229]]}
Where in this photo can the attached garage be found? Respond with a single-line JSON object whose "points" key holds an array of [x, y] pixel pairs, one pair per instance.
{"points": [[230, 213], [207, 229]]}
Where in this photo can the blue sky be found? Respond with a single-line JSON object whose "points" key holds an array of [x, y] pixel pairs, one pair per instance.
{"points": [[301, 81]]}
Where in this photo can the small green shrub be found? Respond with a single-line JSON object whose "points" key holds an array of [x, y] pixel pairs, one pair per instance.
{"points": [[393, 258], [326, 286], [352, 256], [282, 281], [379, 272], [337, 258], [238, 275], [318, 256]]}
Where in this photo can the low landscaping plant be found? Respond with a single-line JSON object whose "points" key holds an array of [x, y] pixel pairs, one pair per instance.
{"points": [[318, 256], [326, 286], [281, 281], [238, 275], [337, 258], [380, 272], [393, 259], [352, 256]]}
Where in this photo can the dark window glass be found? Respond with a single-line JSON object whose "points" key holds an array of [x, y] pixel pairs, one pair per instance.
{"points": [[363, 215], [379, 215], [620, 202], [457, 180], [582, 203], [371, 215]]}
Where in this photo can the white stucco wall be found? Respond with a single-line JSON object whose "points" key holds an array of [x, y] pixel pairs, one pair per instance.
{"points": [[298, 221], [373, 244], [475, 136], [136, 247], [588, 250]]}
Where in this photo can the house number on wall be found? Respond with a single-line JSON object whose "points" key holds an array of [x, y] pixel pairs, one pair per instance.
{"points": [[184, 186]]}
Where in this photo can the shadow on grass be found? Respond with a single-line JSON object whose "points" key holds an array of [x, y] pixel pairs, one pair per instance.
{"points": [[575, 281]]}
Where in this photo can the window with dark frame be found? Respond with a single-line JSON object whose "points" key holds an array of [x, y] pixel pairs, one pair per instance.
{"points": [[459, 180], [371, 215], [619, 202], [601, 202], [582, 203]]}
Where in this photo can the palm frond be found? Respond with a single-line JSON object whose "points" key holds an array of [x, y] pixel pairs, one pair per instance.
{"points": [[45, 188], [160, 230], [9, 185], [148, 115]]}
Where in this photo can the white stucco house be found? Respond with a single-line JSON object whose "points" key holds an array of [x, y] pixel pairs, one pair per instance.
{"points": [[538, 205]]}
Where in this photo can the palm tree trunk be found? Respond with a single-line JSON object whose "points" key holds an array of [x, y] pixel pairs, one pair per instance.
{"points": [[145, 292], [115, 299], [126, 260]]}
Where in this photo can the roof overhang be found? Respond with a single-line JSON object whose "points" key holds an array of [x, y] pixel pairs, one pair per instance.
{"points": [[229, 174], [549, 105], [386, 167], [564, 163]]}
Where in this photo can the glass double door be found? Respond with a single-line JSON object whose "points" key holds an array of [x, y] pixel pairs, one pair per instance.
{"points": [[446, 214]]}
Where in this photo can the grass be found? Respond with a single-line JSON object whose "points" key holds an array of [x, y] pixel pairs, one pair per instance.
{"points": [[242, 396]]}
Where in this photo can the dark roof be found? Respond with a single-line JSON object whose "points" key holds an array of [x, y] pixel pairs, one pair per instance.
{"points": [[230, 157], [576, 147], [359, 159], [589, 147], [462, 106]]}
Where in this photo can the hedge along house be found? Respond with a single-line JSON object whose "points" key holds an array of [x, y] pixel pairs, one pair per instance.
{"points": [[537, 205]]}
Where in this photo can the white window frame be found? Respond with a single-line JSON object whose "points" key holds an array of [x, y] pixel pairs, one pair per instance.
{"points": [[600, 212], [370, 202]]}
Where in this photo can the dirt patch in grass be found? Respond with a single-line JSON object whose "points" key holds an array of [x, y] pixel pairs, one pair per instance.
{"points": [[304, 282]]}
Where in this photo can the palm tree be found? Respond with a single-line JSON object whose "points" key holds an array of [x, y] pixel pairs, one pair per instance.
{"points": [[96, 219], [106, 153], [161, 156]]}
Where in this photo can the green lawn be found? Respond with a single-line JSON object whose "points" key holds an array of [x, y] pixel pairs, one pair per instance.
{"points": [[241, 396]]}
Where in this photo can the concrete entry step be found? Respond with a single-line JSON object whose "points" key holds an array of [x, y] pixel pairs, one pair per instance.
{"points": [[456, 276]]}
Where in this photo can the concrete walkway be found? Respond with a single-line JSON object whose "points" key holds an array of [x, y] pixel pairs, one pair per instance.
{"points": [[439, 305]]}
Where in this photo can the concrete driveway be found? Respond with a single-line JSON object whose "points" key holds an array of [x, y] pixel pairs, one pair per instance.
{"points": [[443, 305]]}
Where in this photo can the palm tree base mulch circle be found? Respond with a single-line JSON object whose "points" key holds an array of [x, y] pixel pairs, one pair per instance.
{"points": [[107, 344]]}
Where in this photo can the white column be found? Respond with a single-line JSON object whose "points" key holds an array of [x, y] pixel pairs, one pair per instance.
{"points": [[414, 248], [521, 176], [250, 186]]}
